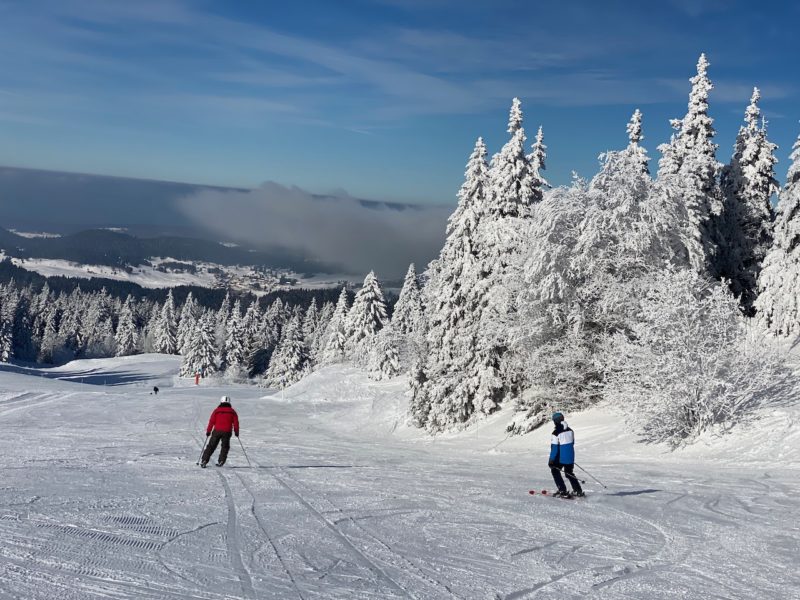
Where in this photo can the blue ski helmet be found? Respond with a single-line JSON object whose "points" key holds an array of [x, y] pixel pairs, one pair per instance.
{"points": [[557, 417]]}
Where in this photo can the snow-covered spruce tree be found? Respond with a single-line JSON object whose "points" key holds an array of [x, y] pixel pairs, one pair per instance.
{"points": [[234, 356], [310, 320], [320, 335], [49, 341], [200, 351], [689, 365], [589, 242], [384, 359], [165, 330], [223, 314], [778, 303], [99, 326], [9, 301], [187, 324], [408, 316], [127, 336], [537, 159], [748, 183], [687, 173], [366, 318], [290, 361], [334, 348], [148, 334], [515, 187], [500, 236], [443, 382]]}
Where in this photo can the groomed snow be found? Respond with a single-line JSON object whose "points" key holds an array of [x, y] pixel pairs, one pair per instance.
{"points": [[100, 498]]}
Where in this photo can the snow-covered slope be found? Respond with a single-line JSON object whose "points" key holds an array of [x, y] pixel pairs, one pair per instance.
{"points": [[100, 498]]}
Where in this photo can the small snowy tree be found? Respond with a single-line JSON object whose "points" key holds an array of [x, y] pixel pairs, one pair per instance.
{"points": [[321, 334], [165, 331], [537, 159], [689, 365], [408, 316], [234, 357], [201, 352], [778, 303], [187, 324], [366, 318], [127, 336], [290, 362], [9, 301], [384, 360], [337, 331]]}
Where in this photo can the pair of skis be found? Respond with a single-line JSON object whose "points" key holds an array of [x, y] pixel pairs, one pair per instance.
{"points": [[546, 493]]}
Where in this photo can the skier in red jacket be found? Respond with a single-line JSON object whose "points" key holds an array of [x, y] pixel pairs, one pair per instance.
{"points": [[223, 420]]}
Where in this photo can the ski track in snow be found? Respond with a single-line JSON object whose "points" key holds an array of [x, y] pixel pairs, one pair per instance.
{"points": [[100, 498]]}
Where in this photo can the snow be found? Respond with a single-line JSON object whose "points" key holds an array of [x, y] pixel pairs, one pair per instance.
{"points": [[35, 234], [100, 497]]}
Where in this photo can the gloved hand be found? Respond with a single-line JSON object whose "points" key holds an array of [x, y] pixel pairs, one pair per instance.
{"points": [[208, 434], [236, 434], [552, 464]]}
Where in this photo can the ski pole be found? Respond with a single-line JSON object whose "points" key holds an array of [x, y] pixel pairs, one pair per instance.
{"points": [[205, 442], [245, 453], [202, 451], [592, 476]]}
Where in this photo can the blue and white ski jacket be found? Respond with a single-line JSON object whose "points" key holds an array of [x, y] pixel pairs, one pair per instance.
{"points": [[562, 445]]}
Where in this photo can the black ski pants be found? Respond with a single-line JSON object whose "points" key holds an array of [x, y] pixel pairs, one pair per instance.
{"points": [[216, 437], [556, 471]]}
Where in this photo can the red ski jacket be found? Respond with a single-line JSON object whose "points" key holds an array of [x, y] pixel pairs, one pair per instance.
{"points": [[224, 418]]}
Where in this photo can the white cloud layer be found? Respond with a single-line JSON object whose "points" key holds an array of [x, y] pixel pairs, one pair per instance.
{"points": [[356, 234]]}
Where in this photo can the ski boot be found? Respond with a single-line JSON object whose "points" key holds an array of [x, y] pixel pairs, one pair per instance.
{"points": [[203, 464], [580, 494], [219, 464], [561, 494]]}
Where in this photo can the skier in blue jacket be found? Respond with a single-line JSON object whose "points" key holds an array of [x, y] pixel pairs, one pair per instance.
{"points": [[562, 455]]}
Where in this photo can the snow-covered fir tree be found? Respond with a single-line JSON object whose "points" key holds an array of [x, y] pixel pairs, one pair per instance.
{"points": [[321, 334], [290, 362], [127, 335], [234, 356], [515, 187], [9, 301], [688, 171], [200, 351], [537, 159], [187, 324], [442, 380], [748, 183], [311, 319], [165, 331], [366, 318], [778, 302], [384, 359], [336, 336], [223, 314], [408, 316]]}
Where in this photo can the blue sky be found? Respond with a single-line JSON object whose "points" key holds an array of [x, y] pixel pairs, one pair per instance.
{"points": [[381, 98]]}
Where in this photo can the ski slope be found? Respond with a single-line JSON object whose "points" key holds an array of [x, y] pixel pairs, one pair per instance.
{"points": [[100, 497]]}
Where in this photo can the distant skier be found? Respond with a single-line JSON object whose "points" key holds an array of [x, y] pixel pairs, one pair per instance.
{"points": [[562, 454], [222, 421], [155, 390]]}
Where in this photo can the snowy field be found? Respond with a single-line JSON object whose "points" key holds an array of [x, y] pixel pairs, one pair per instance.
{"points": [[100, 498]]}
